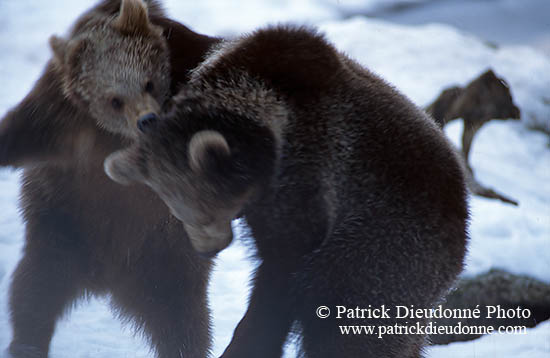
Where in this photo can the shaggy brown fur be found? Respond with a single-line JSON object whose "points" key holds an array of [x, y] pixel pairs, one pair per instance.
{"points": [[485, 98], [353, 195], [84, 233]]}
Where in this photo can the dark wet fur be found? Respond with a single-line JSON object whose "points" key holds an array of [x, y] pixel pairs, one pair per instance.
{"points": [[358, 200]]}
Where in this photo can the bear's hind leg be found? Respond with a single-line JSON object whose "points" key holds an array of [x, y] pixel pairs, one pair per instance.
{"points": [[343, 275], [165, 296], [46, 281]]}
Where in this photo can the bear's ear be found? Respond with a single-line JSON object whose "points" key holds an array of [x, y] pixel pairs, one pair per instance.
{"points": [[77, 50], [133, 18], [489, 73], [123, 167], [207, 150], [70, 52], [59, 48]]}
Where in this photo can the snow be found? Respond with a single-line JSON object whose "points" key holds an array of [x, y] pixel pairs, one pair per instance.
{"points": [[419, 60], [515, 161], [428, 58], [252, 13], [505, 21]]}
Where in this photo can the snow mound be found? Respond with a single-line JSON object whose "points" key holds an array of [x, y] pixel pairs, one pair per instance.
{"points": [[250, 14], [423, 60]]}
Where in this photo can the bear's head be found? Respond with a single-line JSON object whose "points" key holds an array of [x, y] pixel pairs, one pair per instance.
{"points": [[181, 166], [117, 68], [203, 168], [183, 173]]}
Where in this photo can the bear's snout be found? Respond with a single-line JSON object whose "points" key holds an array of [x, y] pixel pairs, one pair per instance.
{"points": [[146, 121], [209, 240]]}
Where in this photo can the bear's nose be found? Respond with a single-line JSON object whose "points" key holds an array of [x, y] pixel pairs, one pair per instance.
{"points": [[145, 121]]}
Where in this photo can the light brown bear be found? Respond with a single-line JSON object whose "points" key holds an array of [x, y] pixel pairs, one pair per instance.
{"points": [[353, 195], [84, 233]]}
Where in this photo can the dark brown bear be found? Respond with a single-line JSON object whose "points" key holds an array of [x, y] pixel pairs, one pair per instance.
{"points": [[353, 195], [84, 233]]}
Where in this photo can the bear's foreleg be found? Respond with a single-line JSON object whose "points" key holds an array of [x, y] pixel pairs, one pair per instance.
{"points": [[45, 283], [266, 324], [163, 294]]}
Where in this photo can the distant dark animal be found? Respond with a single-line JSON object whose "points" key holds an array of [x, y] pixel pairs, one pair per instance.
{"points": [[486, 98], [353, 195], [84, 233]]}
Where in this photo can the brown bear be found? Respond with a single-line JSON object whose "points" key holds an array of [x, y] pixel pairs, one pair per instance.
{"points": [[353, 195], [84, 233], [485, 98]]}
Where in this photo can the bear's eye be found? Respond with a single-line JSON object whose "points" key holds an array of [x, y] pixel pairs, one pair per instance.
{"points": [[149, 87], [117, 103]]}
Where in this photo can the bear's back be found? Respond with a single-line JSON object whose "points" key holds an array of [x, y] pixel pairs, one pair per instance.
{"points": [[347, 129], [381, 136]]}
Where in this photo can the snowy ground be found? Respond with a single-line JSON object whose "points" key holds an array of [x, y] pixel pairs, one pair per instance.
{"points": [[419, 60], [502, 21]]}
